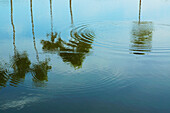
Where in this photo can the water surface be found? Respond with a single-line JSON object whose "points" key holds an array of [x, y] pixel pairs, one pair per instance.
{"points": [[84, 56]]}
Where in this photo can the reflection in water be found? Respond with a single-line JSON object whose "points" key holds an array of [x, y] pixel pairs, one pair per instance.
{"points": [[40, 73], [21, 66], [108, 80], [79, 45], [52, 34], [75, 50], [141, 41], [71, 12], [20, 62], [50, 45], [40, 70], [13, 26], [33, 33], [140, 3], [51, 13], [4, 77]]}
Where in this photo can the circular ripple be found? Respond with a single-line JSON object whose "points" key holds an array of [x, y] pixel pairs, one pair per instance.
{"points": [[124, 38], [89, 81]]}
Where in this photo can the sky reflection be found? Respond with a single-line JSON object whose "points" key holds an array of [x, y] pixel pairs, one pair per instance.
{"points": [[103, 54]]}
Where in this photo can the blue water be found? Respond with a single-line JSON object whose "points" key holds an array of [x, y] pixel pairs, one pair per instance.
{"points": [[84, 56]]}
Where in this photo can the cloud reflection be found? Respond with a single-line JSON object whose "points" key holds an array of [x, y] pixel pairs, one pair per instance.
{"points": [[20, 103]]}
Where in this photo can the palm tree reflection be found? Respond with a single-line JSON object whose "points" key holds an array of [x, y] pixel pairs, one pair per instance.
{"points": [[141, 41], [21, 66], [4, 76], [33, 33], [74, 51], [39, 70], [51, 45], [12, 23], [52, 34], [71, 12], [140, 3], [40, 73], [20, 61], [78, 47]]}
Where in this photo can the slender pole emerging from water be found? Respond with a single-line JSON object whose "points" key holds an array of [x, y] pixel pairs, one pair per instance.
{"points": [[140, 2]]}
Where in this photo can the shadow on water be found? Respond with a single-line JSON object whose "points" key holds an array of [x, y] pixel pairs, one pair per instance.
{"points": [[74, 51]]}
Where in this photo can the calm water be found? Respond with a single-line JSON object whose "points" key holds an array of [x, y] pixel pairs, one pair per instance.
{"points": [[84, 56]]}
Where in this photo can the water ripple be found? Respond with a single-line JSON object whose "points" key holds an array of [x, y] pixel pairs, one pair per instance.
{"points": [[123, 38]]}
